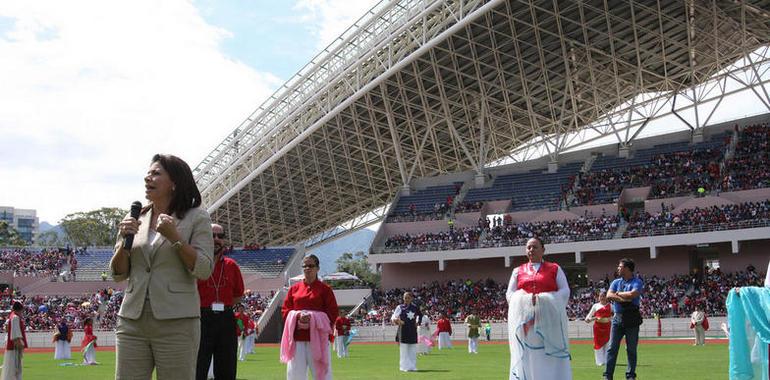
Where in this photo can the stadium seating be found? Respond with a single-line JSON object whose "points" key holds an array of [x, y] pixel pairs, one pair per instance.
{"points": [[267, 262]]}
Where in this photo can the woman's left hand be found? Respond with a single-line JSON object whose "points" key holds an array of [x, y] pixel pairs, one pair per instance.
{"points": [[167, 227]]}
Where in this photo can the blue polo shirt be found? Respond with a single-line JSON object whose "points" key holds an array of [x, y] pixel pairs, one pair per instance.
{"points": [[622, 285]]}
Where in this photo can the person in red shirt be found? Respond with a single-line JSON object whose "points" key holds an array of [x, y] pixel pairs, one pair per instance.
{"points": [[218, 294], [342, 328], [89, 348], [309, 310], [444, 332], [243, 330]]}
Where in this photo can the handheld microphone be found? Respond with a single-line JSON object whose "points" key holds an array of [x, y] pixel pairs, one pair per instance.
{"points": [[136, 208]]}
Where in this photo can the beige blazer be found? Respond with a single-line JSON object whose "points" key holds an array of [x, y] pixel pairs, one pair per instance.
{"points": [[158, 273]]}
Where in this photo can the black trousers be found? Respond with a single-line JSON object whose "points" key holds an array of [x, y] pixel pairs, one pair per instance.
{"points": [[218, 339]]}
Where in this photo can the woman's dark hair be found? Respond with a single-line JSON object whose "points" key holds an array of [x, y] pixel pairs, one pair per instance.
{"points": [[17, 306], [314, 258], [186, 194]]}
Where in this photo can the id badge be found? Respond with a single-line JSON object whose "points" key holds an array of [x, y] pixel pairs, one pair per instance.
{"points": [[217, 306]]}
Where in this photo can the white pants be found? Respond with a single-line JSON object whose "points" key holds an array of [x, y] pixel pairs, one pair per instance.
{"points": [[407, 360], [12, 365], [298, 367], [243, 347], [444, 340], [601, 354], [473, 345], [62, 351], [89, 357], [700, 335], [339, 346]]}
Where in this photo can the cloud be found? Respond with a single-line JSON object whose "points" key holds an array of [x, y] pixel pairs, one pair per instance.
{"points": [[328, 19], [92, 89]]}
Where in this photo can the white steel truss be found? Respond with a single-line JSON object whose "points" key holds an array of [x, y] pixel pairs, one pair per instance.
{"points": [[422, 88]]}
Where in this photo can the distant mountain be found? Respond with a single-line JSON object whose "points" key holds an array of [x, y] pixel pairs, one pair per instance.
{"points": [[45, 226], [328, 253]]}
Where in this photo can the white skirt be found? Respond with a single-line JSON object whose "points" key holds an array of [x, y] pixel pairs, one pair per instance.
{"points": [[62, 350]]}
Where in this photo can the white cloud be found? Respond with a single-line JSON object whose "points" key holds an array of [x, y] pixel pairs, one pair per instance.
{"points": [[330, 18], [90, 90]]}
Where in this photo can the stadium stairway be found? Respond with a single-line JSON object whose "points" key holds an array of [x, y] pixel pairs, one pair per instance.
{"points": [[271, 321]]}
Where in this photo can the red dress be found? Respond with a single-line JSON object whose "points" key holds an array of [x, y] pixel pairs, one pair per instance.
{"points": [[89, 336], [602, 330]]}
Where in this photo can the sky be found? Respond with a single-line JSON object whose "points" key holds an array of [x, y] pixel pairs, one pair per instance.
{"points": [[91, 90]]}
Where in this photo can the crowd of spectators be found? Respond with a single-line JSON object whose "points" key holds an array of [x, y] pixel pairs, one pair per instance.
{"points": [[676, 296], [485, 298], [746, 169], [722, 217], [468, 207], [44, 313], [455, 238], [668, 175], [498, 232], [44, 263], [440, 211], [580, 229]]}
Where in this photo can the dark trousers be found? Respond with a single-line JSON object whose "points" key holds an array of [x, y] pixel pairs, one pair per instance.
{"points": [[218, 339], [632, 340]]}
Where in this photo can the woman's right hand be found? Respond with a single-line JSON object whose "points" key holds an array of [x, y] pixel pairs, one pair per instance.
{"points": [[128, 226]]}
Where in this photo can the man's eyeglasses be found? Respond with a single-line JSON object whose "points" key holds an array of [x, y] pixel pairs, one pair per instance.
{"points": [[308, 266], [219, 235]]}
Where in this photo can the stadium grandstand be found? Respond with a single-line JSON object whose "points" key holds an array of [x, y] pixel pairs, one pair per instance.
{"points": [[465, 127]]}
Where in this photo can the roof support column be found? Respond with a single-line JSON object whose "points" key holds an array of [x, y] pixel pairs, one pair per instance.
{"points": [[395, 139]]}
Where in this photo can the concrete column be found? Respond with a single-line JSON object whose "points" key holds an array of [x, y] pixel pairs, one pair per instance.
{"points": [[697, 136], [441, 265], [624, 151], [406, 190], [479, 179], [578, 257], [507, 261], [653, 252], [553, 166], [736, 246]]}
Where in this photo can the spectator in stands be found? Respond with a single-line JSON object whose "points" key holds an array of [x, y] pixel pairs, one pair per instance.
{"points": [[625, 293], [15, 344], [600, 315], [538, 287], [173, 245], [309, 311], [218, 295], [406, 316]]}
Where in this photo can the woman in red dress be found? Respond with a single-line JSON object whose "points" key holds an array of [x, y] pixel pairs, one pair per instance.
{"points": [[601, 315], [89, 343]]}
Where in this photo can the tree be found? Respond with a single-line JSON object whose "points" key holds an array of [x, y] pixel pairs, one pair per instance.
{"points": [[49, 239], [98, 227], [9, 236], [356, 263]]}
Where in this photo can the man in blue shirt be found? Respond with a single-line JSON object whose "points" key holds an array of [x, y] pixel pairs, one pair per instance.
{"points": [[625, 293]]}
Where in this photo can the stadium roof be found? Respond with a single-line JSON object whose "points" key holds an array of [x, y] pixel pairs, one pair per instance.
{"points": [[423, 88]]}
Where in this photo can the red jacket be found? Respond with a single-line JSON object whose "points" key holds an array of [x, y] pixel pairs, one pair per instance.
{"points": [[444, 326]]}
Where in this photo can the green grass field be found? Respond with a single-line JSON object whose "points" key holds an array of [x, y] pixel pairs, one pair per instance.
{"points": [[380, 361]]}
